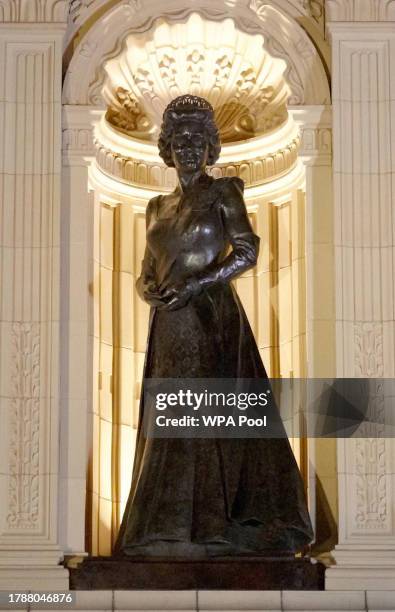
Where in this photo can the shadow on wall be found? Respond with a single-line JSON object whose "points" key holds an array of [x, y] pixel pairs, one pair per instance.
{"points": [[326, 527]]}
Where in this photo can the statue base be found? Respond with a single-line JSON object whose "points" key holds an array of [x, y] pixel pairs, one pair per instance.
{"points": [[276, 572]]}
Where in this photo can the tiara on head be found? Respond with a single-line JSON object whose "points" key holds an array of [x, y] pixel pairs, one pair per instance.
{"points": [[189, 102]]}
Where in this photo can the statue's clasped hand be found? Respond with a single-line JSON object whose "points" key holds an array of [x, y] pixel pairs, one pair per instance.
{"points": [[152, 295], [177, 295]]}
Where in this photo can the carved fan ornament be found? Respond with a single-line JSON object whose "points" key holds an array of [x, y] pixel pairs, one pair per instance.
{"points": [[214, 60]]}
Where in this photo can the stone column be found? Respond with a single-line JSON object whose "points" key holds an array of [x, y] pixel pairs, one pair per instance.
{"points": [[77, 354], [31, 35], [315, 124], [363, 58]]}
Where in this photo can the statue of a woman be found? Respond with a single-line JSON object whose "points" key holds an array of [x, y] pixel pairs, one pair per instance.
{"points": [[204, 496]]}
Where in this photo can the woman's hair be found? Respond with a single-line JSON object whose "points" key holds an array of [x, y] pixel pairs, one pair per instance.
{"points": [[190, 108]]}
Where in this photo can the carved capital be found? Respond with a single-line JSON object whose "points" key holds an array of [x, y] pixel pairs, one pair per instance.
{"points": [[366, 10], [34, 11], [78, 141], [316, 142], [315, 130]]}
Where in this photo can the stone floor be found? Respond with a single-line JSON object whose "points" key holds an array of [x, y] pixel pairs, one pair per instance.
{"points": [[228, 601]]}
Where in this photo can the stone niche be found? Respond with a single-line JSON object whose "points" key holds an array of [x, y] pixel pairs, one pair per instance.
{"points": [[262, 143]]}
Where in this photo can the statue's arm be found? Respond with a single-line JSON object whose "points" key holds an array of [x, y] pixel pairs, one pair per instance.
{"points": [[245, 244], [244, 254], [146, 284]]}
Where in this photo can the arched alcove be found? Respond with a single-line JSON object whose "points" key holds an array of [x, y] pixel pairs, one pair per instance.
{"points": [[284, 38], [280, 163]]}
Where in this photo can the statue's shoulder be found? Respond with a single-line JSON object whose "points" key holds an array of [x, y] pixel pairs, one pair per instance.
{"points": [[229, 183], [153, 204], [229, 186], [154, 201]]}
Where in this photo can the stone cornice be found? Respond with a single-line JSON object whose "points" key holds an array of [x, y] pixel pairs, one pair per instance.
{"points": [[153, 176], [355, 29], [34, 31], [257, 160], [310, 139]]}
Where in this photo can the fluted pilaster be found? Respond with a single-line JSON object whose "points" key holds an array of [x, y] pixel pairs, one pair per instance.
{"points": [[30, 115], [363, 112]]}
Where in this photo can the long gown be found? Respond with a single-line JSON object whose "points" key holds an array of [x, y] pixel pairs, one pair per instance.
{"points": [[207, 496]]}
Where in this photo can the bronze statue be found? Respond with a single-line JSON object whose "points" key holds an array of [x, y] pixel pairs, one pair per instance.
{"points": [[204, 496]]}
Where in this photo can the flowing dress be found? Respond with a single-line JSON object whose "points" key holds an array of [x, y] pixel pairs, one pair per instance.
{"points": [[207, 496]]}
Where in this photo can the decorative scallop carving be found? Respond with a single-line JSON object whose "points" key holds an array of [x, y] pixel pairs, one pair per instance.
{"points": [[86, 76], [212, 59]]}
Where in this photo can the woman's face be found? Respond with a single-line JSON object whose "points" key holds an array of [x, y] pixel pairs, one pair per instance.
{"points": [[189, 147]]}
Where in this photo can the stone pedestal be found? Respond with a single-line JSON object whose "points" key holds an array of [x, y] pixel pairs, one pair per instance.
{"points": [[238, 573]]}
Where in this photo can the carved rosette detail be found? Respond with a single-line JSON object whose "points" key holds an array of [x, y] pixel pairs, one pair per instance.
{"points": [[315, 9], [141, 173], [25, 420], [369, 350], [128, 117]]}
